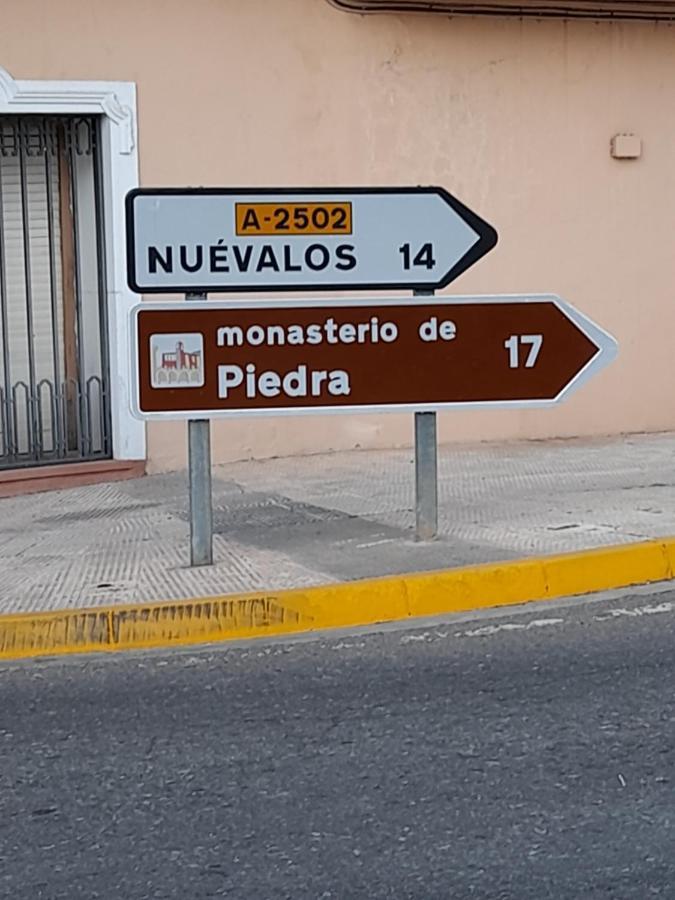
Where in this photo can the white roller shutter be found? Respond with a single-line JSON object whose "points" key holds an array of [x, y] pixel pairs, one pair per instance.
{"points": [[16, 299]]}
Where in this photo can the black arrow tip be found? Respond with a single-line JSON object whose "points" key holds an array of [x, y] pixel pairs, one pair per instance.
{"points": [[487, 238]]}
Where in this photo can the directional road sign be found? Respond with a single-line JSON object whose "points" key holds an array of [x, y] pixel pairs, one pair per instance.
{"points": [[215, 239], [252, 358]]}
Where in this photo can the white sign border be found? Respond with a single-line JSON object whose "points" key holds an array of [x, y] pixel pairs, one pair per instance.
{"points": [[606, 344]]}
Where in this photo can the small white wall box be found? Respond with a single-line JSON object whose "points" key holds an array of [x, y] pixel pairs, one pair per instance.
{"points": [[626, 146]]}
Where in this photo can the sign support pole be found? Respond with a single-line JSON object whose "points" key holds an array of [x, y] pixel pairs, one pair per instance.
{"points": [[426, 469], [199, 465]]}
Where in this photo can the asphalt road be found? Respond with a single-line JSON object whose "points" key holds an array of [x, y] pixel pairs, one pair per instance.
{"points": [[518, 757]]}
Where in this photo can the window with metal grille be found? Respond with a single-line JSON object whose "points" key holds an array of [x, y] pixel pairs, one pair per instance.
{"points": [[54, 397]]}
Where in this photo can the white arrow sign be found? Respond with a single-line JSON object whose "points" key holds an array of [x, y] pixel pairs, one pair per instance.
{"points": [[216, 239]]}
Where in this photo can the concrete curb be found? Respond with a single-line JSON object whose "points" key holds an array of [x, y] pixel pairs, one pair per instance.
{"points": [[336, 605]]}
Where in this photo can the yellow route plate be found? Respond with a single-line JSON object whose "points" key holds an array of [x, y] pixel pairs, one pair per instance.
{"points": [[293, 218]]}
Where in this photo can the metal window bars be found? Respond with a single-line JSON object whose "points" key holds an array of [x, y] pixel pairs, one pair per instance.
{"points": [[54, 378]]}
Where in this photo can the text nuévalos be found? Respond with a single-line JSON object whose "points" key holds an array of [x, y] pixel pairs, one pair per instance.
{"points": [[252, 257]]}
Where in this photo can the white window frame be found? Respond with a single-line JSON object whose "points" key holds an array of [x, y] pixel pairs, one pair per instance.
{"points": [[115, 102]]}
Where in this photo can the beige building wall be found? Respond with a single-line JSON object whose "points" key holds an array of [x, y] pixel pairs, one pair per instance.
{"points": [[514, 117]]}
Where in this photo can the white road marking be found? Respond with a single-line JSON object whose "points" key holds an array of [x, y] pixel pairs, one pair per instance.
{"points": [[409, 638], [508, 626], [347, 645], [638, 611]]}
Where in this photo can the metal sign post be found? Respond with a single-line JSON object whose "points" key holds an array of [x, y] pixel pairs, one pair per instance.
{"points": [[426, 469], [426, 476], [199, 466]]}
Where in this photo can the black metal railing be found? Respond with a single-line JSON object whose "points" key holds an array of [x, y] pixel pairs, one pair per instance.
{"points": [[57, 423]]}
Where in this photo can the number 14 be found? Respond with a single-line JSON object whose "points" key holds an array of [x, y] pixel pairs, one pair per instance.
{"points": [[516, 341]]}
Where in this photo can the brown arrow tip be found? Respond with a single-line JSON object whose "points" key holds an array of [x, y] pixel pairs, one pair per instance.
{"points": [[572, 350], [563, 352]]}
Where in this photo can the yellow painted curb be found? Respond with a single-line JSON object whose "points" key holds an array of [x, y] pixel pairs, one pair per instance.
{"points": [[335, 605]]}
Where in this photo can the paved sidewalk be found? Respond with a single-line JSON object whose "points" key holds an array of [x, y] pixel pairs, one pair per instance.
{"points": [[333, 517]]}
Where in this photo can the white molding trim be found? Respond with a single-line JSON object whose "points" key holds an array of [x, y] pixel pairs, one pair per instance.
{"points": [[116, 102], [93, 97]]}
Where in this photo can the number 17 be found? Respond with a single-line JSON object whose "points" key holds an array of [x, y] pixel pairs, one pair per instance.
{"points": [[516, 341]]}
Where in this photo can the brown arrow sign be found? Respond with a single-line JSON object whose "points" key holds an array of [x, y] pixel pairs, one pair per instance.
{"points": [[209, 359]]}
